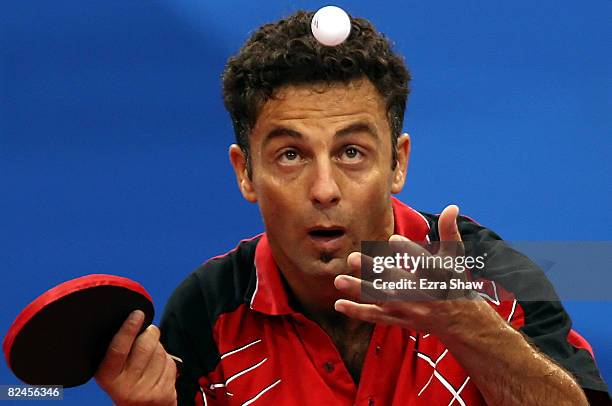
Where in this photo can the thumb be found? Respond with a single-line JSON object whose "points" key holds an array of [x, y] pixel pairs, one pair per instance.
{"points": [[447, 224]]}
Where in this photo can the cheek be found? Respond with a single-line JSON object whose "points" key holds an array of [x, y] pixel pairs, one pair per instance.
{"points": [[373, 209], [277, 206], [374, 189]]}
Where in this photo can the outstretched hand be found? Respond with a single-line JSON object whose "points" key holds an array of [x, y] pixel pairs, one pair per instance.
{"points": [[427, 310]]}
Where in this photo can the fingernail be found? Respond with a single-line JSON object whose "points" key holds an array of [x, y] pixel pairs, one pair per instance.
{"points": [[136, 316], [354, 259], [341, 283], [152, 329]]}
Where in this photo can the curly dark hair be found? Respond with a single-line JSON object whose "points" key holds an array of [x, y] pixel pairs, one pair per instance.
{"points": [[286, 52]]}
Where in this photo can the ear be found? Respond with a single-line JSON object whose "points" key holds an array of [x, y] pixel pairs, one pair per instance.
{"points": [[238, 160], [401, 167]]}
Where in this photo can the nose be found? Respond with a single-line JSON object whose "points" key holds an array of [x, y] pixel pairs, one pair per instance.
{"points": [[324, 191]]}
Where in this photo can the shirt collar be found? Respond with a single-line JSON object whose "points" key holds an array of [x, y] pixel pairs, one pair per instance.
{"points": [[270, 296]]}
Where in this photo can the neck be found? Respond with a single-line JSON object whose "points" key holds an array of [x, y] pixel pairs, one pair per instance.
{"points": [[312, 296], [326, 316], [315, 299]]}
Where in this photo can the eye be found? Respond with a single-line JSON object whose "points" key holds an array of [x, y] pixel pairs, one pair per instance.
{"points": [[351, 153], [289, 156]]}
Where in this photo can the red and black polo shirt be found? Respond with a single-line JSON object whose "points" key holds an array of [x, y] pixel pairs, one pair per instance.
{"points": [[241, 342]]}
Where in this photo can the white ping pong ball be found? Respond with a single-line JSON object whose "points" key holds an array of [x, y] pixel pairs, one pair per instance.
{"points": [[331, 25]]}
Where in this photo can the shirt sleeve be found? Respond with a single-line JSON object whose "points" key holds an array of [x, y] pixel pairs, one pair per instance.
{"points": [[546, 323], [186, 333]]}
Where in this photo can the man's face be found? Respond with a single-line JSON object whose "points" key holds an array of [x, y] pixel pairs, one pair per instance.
{"points": [[322, 173]]}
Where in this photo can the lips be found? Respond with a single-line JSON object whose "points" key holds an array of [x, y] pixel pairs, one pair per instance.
{"points": [[328, 238]]}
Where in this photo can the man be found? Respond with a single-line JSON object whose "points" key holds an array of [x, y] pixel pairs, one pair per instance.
{"points": [[280, 318]]}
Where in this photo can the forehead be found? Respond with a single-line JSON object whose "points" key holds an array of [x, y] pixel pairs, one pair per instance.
{"points": [[322, 105]]}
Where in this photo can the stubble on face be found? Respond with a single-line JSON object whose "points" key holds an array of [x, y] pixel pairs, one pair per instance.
{"points": [[310, 173]]}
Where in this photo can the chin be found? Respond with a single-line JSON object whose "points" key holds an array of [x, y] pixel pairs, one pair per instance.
{"points": [[329, 265]]}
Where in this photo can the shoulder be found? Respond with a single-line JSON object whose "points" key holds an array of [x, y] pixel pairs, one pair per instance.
{"points": [[219, 285]]}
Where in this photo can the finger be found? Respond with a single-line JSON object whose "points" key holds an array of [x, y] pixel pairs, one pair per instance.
{"points": [[354, 262], [419, 263], [119, 348], [359, 290], [167, 379], [141, 353], [450, 237], [364, 290], [361, 265], [390, 286], [154, 368], [349, 285], [447, 224], [400, 244], [358, 261], [370, 313]]}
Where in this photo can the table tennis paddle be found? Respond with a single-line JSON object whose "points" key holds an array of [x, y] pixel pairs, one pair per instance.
{"points": [[61, 337]]}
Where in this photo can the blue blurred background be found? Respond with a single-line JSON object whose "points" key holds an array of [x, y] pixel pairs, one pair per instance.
{"points": [[113, 136]]}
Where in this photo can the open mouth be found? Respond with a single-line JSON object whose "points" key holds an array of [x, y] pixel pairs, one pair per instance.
{"points": [[327, 238], [326, 233]]}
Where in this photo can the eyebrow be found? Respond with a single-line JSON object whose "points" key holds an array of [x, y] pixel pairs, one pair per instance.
{"points": [[281, 132], [357, 127]]}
